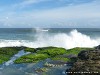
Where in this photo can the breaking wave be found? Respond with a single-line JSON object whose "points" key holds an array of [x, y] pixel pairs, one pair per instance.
{"points": [[65, 40]]}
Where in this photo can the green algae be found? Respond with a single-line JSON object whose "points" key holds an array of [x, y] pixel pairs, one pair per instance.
{"points": [[76, 50], [52, 51], [31, 58], [7, 52], [61, 59], [38, 54], [27, 49]]}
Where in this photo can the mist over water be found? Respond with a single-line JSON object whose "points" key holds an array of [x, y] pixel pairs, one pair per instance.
{"points": [[43, 38]]}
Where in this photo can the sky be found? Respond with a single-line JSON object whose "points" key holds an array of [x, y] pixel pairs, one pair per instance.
{"points": [[49, 13]]}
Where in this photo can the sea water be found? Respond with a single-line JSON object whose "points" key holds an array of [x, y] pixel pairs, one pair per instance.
{"points": [[59, 37]]}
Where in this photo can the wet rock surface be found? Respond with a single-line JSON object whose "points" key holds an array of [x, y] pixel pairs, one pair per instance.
{"points": [[97, 47], [88, 63]]}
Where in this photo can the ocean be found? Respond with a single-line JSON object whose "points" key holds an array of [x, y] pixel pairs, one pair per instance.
{"points": [[43, 37]]}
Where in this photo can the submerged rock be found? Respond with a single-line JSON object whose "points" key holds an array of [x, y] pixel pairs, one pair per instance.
{"points": [[41, 70]]}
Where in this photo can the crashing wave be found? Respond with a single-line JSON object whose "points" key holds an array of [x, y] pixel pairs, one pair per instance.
{"points": [[65, 40]]}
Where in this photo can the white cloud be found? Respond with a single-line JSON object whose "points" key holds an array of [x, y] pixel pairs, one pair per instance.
{"points": [[26, 3], [71, 16]]}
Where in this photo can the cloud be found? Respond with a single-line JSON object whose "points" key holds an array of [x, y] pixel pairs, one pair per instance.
{"points": [[26, 3], [21, 4], [83, 15]]}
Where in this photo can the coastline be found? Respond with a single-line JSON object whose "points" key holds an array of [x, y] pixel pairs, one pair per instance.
{"points": [[57, 56]]}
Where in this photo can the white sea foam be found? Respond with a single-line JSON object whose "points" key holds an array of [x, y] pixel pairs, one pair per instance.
{"points": [[41, 30], [65, 40]]}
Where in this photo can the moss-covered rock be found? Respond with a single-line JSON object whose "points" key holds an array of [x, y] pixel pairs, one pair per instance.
{"points": [[41, 54], [41, 70], [76, 50], [45, 48], [61, 58], [27, 49], [31, 58], [55, 53], [7, 52], [52, 51]]}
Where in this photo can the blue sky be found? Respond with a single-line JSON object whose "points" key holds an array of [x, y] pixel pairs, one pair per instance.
{"points": [[49, 13]]}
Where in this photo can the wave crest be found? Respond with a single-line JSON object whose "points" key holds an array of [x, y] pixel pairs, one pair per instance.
{"points": [[65, 40]]}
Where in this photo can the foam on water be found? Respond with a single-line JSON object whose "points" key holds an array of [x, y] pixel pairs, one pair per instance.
{"points": [[65, 40]]}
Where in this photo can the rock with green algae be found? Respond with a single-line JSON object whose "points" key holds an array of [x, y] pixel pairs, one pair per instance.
{"points": [[44, 69], [76, 50], [55, 53], [62, 58], [40, 54], [52, 51], [27, 49], [31, 58], [70, 55], [7, 52]]}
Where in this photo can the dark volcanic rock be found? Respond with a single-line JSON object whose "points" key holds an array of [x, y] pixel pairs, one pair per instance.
{"points": [[87, 64], [89, 55], [97, 47]]}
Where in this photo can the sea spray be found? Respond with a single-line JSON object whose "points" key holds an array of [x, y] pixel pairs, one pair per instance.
{"points": [[65, 40]]}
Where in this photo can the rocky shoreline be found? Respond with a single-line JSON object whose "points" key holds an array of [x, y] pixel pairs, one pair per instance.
{"points": [[81, 59], [88, 63]]}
